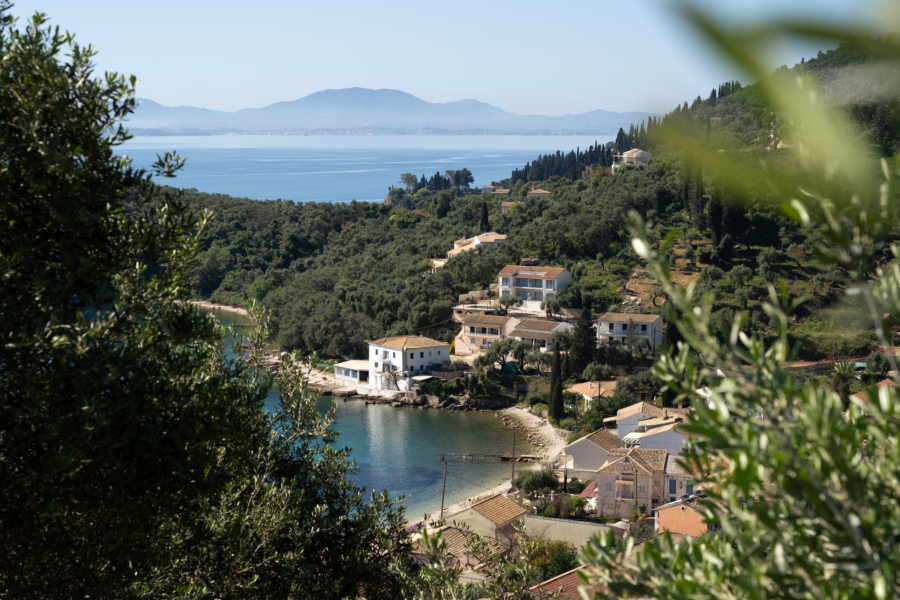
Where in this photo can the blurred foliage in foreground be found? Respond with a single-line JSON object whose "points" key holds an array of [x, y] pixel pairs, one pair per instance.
{"points": [[808, 486]]}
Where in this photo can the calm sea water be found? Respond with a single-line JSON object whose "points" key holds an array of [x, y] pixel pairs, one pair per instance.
{"points": [[397, 448], [339, 168]]}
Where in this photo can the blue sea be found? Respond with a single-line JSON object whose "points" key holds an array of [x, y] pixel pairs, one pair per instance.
{"points": [[339, 168]]}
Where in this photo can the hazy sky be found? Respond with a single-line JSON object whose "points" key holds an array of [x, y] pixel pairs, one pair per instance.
{"points": [[526, 57]]}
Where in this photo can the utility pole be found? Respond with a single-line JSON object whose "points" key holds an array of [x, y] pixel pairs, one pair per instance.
{"points": [[443, 489], [512, 480]]}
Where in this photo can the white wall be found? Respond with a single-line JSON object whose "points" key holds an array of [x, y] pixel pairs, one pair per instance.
{"points": [[670, 440], [414, 360], [585, 456]]}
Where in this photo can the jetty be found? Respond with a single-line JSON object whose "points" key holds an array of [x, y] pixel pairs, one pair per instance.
{"points": [[472, 457]]}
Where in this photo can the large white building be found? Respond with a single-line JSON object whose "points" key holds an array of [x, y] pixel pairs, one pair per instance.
{"points": [[394, 361], [532, 284], [620, 327]]}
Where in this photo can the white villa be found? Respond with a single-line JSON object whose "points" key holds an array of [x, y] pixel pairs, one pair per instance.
{"points": [[635, 156], [485, 241], [539, 332], [532, 283], [617, 327], [395, 361], [480, 331]]}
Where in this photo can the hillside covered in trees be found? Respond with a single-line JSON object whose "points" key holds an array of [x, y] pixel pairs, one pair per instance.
{"points": [[337, 274]]}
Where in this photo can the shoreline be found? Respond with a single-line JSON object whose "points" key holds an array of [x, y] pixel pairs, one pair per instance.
{"points": [[226, 308], [549, 443]]}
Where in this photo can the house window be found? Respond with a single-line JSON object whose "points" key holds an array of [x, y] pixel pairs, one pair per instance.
{"points": [[521, 282], [690, 487], [642, 489], [671, 486], [624, 326], [422, 354], [504, 281], [609, 487], [393, 355], [611, 327], [412, 354], [376, 365], [471, 329], [549, 284], [643, 328]]}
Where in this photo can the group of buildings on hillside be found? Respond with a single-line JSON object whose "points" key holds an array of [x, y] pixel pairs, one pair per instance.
{"points": [[627, 475], [397, 363]]}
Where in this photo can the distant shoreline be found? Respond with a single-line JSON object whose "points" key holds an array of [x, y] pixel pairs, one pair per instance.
{"points": [[226, 308]]}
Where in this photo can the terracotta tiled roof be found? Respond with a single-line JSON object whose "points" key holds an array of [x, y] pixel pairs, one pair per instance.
{"points": [[491, 236], [499, 509], [590, 389], [651, 432], [863, 397], [626, 317], [533, 272], [494, 320], [567, 585], [459, 543], [633, 461], [401, 342], [540, 325], [605, 439], [538, 192], [590, 490], [694, 504], [530, 335]]}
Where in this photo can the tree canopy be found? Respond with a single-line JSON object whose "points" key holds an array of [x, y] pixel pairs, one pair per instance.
{"points": [[135, 460]]}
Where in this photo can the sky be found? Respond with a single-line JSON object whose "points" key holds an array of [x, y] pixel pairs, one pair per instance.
{"points": [[527, 57]]}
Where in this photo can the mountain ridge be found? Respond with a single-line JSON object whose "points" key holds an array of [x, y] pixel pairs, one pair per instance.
{"points": [[368, 111]]}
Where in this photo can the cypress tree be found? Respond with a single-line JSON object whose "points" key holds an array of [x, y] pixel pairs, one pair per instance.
{"points": [[584, 341], [485, 223], [556, 398]]}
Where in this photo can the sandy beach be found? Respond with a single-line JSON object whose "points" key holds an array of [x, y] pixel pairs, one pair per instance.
{"points": [[548, 441], [207, 305]]}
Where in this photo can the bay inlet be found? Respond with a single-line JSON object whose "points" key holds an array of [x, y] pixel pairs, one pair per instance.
{"points": [[396, 448]]}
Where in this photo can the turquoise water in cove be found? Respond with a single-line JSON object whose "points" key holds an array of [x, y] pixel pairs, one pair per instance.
{"points": [[339, 168], [397, 448]]}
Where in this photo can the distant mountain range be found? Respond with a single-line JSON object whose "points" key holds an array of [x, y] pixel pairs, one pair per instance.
{"points": [[365, 111]]}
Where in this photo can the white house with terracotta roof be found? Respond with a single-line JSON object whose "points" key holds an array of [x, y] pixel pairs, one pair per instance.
{"points": [[629, 418], [539, 332], [480, 331], [669, 437], [584, 456], [395, 361], [492, 517], [593, 390], [532, 284], [620, 327], [484, 241], [635, 156]]}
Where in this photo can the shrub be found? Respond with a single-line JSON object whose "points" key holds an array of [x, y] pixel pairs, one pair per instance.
{"points": [[534, 481], [576, 486]]}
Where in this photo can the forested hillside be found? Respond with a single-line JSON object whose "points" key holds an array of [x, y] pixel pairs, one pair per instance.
{"points": [[337, 274]]}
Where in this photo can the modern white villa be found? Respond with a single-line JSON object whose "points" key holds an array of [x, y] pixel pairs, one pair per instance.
{"points": [[620, 327], [532, 284], [395, 361]]}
